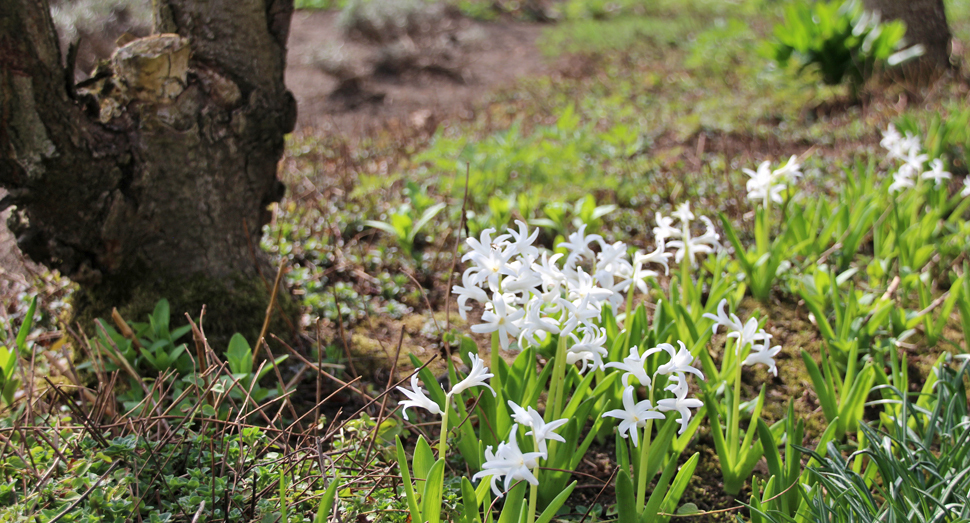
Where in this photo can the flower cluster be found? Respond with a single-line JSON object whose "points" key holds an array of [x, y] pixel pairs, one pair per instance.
{"points": [[529, 296], [747, 333], [509, 461], [417, 398], [635, 415], [687, 246], [766, 184], [908, 150]]}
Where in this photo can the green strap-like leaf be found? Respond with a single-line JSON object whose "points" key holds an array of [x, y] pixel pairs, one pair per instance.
{"points": [[626, 508], [423, 459], [26, 326], [431, 500], [829, 406], [512, 510], [679, 485], [469, 501], [326, 504], [652, 507], [556, 503], [402, 465]]}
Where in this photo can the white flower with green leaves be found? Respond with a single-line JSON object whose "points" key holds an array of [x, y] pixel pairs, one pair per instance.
{"points": [[688, 246], [763, 353], [417, 398], [500, 317], [681, 361], [541, 431], [510, 462], [633, 365], [680, 402], [633, 415], [766, 184], [476, 376], [936, 173], [590, 349]]}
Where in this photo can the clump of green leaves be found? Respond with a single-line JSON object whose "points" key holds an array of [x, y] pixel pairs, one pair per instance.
{"points": [[839, 39], [916, 472], [9, 357], [154, 349], [406, 222], [239, 356], [946, 134]]}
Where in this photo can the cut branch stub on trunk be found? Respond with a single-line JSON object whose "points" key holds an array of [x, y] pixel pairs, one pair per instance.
{"points": [[157, 170]]}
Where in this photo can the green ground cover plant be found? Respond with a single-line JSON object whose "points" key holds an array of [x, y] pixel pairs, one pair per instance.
{"points": [[566, 341]]}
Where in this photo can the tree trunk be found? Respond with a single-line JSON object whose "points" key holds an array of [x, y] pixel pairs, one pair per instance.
{"points": [[155, 174], [925, 24]]}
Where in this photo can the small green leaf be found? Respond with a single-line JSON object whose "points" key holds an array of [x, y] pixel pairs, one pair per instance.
{"points": [[625, 499], [431, 500], [326, 504], [402, 464], [27, 325], [688, 509], [423, 459]]}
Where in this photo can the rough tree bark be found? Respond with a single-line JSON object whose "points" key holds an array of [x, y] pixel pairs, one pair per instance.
{"points": [[925, 24], [153, 177]]}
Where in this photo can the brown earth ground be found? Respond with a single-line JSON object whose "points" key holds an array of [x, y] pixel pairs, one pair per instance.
{"points": [[500, 53]]}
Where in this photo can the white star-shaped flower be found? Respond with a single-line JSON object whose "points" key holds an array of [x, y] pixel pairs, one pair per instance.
{"points": [[665, 228], [633, 366], [500, 318], [633, 415], [680, 360], [541, 430], [732, 322], [590, 349], [522, 240], [680, 403], [417, 398], [936, 173], [762, 354], [476, 376], [510, 462], [468, 291], [578, 246]]}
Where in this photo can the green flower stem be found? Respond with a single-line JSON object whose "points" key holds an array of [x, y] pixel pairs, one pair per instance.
{"points": [[642, 469], [443, 437], [735, 425], [496, 359], [497, 377], [533, 494], [763, 232], [685, 281], [558, 373], [534, 489], [628, 320]]}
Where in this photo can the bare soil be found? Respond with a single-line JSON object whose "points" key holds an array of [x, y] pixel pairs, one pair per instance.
{"points": [[500, 53]]}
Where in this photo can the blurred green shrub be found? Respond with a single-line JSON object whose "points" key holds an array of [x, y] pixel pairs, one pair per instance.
{"points": [[841, 40]]}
